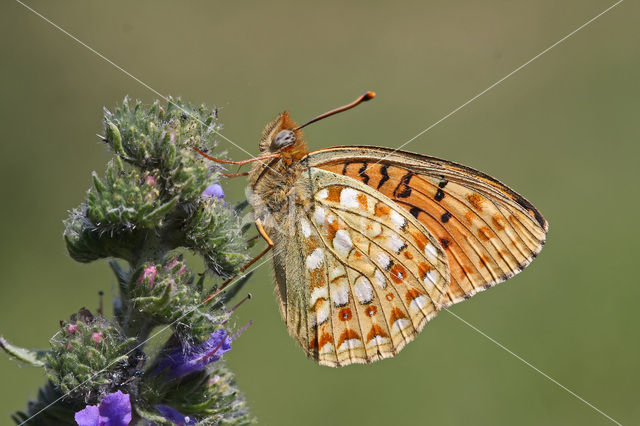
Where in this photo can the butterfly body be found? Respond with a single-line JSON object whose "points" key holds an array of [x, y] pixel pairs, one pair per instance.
{"points": [[369, 243]]}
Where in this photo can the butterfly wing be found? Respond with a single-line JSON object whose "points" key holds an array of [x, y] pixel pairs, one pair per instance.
{"points": [[487, 230], [357, 276]]}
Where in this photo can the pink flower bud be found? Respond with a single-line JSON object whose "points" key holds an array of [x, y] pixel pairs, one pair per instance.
{"points": [[174, 263], [97, 337], [72, 328], [150, 180], [150, 273]]}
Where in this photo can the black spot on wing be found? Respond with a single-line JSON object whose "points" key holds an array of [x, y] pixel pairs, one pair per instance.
{"points": [[363, 173], [384, 174], [439, 195], [415, 211], [403, 190], [445, 217], [444, 242]]}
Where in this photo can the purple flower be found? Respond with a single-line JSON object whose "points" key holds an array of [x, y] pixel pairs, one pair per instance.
{"points": [[174, 415], [114, 410], [213, 190], [183, 361]]}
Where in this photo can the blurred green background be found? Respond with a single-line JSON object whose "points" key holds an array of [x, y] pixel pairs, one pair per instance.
{"points": [[563, 131]]}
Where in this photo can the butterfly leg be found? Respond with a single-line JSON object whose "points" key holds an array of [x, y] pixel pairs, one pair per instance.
{"points": [[239, 163], [232, 175], [264, 235]]}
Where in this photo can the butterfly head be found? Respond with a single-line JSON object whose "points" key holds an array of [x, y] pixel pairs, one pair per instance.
{"points": [[282, 135], [285, 136]]}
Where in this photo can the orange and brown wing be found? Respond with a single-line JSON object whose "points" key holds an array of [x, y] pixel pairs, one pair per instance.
{"points": [[488, 231]]}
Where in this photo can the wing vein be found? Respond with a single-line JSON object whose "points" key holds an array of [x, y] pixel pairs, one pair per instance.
{"points": [[451, 195], [485, 249]]}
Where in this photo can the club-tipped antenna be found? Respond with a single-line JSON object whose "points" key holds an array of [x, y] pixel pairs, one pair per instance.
{"points": [[365, 97]]}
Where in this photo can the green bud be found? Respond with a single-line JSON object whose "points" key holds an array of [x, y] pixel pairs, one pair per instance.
{"points": [[115, 139], [97, 183]]}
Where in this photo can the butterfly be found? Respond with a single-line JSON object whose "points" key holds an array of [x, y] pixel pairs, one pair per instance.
{"points": [[369, 243]]}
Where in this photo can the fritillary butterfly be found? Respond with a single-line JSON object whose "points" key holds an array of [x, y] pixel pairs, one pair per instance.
{"points": [[370, 243]]}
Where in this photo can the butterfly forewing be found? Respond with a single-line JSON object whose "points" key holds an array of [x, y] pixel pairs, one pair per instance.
{"points": [[488, 232], [373, 274]]}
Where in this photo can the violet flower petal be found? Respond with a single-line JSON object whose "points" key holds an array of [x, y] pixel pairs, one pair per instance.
{"points": [[181, 362], [115, 409], [213, 190], [90, 416], [174, 415]]}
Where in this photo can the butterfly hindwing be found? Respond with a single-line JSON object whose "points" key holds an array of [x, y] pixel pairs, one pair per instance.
{"points": [[362, 275], [488, 232]]}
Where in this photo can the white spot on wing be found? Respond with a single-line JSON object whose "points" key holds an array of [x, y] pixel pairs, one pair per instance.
{"points": [[398, 220], [378, 341], [342, 242], [322, 194], [348, 198], [340, 293], [418, 303], [383, 260], [318, 293], [363, 290], [319, 215], [430, 250], [315, 259], [306, 227], [350, 344], [380, 280], [395, 243], [327, 348], [322, 313], [431, 278], [401, 324]]}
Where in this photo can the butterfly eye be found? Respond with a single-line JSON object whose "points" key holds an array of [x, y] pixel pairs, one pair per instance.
{"points": [[282, 139]]}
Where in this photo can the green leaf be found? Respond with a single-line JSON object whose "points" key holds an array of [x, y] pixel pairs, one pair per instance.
{"points": [[32, 357], [151, 416], [160, 211]]}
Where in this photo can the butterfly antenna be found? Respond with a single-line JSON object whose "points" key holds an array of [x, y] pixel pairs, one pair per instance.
{"points": [[208, 355], [363, 98], [247, 297], [232, 310], [242, 330]]}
